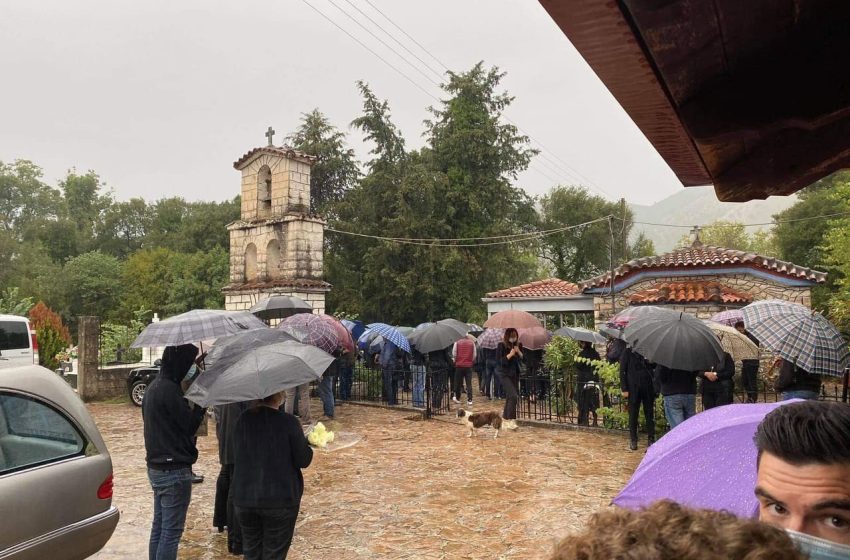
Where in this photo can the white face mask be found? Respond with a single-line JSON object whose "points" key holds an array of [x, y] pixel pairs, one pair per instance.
{"points": [[818, 548], [513, 340]]}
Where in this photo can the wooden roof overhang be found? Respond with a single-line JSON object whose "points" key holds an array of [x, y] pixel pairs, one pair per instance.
{"points": [[751, 96]]}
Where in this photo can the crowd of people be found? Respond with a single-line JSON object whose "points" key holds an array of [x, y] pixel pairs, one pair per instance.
{"points": [[803, 467]]}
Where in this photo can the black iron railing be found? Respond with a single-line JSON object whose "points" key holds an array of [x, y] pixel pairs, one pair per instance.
{"points": [[415, 386]]}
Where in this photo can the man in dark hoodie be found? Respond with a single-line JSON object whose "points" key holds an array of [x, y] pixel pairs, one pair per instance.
{"points": [[170, 426]]}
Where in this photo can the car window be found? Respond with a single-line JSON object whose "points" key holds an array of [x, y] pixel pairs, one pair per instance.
{"points": [[14, 335], [33, 433]]}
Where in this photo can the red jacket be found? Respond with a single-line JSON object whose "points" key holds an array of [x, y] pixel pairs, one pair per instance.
{"points": [[464, 351]]}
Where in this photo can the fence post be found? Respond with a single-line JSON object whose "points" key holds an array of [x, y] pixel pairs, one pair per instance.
{"points": [[88, 361], [427, 392]]}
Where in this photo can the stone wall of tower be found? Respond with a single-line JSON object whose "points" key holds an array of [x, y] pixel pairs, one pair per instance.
{"points": [[290, 187]]}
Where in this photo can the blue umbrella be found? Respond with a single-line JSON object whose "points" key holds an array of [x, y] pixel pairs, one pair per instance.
{"points": [[366, 338], [355, 327], [392, 334]]}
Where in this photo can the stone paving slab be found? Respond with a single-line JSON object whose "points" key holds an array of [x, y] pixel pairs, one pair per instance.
{"points": [[407, 489]]}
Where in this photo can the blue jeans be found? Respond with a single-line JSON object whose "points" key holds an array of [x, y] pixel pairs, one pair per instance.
{"points": [[418, 385], [807, 395], [490, 379], [325, 389], [678, 408], [172, 491], [346, 378]]}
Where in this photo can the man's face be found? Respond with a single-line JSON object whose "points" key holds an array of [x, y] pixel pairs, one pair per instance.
{"points": [[812, 499], [740, 327]]}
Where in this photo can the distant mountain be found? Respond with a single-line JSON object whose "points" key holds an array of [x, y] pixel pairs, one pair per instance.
{"points": [[699, 206]]}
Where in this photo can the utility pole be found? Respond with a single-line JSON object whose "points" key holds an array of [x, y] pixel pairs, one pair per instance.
{"points": [[611, 263]]}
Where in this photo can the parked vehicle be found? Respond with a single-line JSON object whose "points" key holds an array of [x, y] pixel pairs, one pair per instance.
{"points": [[55, 470], [138, 381], [18, 345]]}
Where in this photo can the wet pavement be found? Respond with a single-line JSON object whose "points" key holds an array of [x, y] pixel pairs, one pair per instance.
{"points": [[408, 489]]}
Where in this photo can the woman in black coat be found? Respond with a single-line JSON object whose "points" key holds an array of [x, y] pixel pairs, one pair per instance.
{"points": [[587, 398], [509, 354]]}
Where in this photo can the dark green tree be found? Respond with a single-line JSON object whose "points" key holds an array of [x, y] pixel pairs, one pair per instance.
{"points": [[335, 170], [85, 202], [579, 253], [123, 228], [92, 285]]}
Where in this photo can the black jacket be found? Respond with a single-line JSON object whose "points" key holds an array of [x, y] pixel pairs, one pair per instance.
{"points": [[724, 377], [270, 450], [614, 349], [677, 381], [792, 378], [170, 426], [635, 373], [226, 417], [507, 366], [585, 371], [750, 366]]}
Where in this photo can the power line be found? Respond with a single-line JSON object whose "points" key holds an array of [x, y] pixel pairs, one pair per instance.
{"points": [[551, 164], [487, 241], [773, 223]]}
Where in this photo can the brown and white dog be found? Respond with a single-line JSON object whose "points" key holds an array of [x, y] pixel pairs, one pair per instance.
{"points": [[479, 420]]}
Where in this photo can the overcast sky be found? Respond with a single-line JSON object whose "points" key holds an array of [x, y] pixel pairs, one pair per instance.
{"points": [[161, 96]]}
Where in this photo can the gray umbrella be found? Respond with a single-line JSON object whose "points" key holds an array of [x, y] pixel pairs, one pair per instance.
{"points": [[231, 348], [611, 332], [280, 307], [578, 333], [674, 339], [435, 338], [196, 325], [459, 326], [259, 372]]}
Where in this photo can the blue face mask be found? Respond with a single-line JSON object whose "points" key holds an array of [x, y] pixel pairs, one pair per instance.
{"points": [[819, 549]]}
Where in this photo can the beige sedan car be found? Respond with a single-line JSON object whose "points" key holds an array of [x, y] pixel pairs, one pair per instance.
{"points": [[55, 471]]}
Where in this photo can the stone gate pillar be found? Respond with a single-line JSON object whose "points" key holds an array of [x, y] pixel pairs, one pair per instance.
{"points": [[88, 360]]}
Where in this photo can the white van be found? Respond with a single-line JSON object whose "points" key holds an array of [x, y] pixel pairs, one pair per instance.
{"points": [[18, 346]]}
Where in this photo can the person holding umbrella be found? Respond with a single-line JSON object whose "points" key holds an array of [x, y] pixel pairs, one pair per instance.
{"points": [[794, 382], [716, 386], [585, 375], [636, 384], [749, 368], [270, 450], [510, 354]]}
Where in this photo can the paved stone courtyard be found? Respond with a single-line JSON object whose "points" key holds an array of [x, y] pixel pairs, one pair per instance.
{"points": [[409, 489]]}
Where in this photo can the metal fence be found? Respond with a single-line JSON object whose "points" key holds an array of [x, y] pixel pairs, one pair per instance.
{"points": [[413, 387]]}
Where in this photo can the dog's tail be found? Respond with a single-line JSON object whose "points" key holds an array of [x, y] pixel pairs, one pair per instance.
{"points": [[497, 422]]}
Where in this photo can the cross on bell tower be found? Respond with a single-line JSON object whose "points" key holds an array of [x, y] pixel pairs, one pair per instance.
{"points": [[270, 135], [695, 232]]}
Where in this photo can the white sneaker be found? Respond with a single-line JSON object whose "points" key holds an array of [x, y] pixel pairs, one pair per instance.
{"points": [[510, 424], [469, 403], [454, 399]]}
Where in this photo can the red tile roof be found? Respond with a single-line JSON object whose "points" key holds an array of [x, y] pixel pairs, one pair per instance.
{"points": [[704, 256], [284, 151], [690, 292], [550, 287]]}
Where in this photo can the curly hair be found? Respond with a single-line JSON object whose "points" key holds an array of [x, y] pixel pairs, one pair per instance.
{"points": [[667, 531]]}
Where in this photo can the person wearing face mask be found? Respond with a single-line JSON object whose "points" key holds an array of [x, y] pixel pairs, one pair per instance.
{"points": [[803, 475], [510, 353]]}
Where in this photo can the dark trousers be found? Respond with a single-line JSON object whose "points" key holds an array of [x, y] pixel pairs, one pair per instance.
{"points": [[267, 533], [479, 371], [750, 376], [390, 386], [461, 374], [716, 398], [644, 397], [346, 378], [439, 381], [510, 386], [224, 514], [588, 402]]}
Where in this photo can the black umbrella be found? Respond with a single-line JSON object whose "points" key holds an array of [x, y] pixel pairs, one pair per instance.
{"points": [[674, 339], [434, 338], [280, 307], [459, 326], [578, 333]]}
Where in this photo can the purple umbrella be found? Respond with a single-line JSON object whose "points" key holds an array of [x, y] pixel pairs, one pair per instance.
{"points": [[311, 329], [491, 338], [708, 461], [730, 317]]}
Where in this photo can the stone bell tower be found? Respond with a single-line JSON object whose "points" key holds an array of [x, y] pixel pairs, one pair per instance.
{"points": [[277, 245]]}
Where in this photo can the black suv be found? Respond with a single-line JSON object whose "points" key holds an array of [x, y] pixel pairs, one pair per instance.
{"points": [[139, 379]]}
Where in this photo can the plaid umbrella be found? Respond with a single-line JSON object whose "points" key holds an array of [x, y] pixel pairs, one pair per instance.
{"points": [[534, 338], [342, 333], [392, 334], [312, 329], [798, 334], [473, 328], [491, 338], [196, 325], [730, 317], [738, 345], [512, 318]]}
